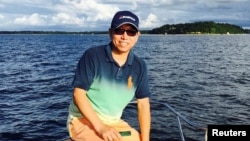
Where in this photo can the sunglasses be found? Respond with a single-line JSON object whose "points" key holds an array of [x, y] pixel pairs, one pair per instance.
{"points": [[130, 32]]}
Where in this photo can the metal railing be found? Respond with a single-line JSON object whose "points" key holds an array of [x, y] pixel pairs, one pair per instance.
{"points": [[180, 117]]}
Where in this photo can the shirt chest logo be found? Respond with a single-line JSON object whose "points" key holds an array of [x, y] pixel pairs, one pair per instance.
{"points": [[130, 82]]}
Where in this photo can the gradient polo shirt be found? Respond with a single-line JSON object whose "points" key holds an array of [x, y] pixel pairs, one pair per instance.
{"points": [[109, 87]]}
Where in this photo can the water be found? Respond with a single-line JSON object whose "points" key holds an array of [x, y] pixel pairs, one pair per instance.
{"points": [[204, 77]]}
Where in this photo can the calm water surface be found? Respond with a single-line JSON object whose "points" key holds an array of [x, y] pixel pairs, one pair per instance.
{"points": [[206, 78]]}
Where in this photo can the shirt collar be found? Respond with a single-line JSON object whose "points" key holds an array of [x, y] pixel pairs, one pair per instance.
{"points": [[110, 58]]}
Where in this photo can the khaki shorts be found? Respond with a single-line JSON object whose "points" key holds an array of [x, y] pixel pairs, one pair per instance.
{"points": [[81, 130]]}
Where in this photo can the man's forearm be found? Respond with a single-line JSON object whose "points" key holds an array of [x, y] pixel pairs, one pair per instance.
{"points": [[144, 117], [84, 106]]}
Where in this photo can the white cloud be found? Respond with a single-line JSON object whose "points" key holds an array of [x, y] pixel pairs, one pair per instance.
{"points": [[26, 2], [1, 16], [64, 18], [84, 13], [150, 21], [92, 10], [160, 2], [97, 14], [1, 5], [34, 19]]}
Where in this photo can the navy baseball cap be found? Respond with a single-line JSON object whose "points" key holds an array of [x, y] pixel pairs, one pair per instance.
{"points": [[125, 17]]}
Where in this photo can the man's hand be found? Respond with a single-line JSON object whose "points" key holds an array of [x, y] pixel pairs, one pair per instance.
{"points": [[109, 134]]}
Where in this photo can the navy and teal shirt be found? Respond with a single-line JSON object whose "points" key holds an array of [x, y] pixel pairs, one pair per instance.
{"points": [[109, 87]]}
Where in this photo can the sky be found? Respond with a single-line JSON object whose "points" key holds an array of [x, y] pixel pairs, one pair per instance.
{"points": [[96, 15]]}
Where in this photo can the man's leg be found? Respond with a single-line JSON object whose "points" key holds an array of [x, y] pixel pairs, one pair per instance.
{"points": [[81, 130]]}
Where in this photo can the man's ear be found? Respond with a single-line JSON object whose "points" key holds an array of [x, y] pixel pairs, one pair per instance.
{"points": [[139, 33]]}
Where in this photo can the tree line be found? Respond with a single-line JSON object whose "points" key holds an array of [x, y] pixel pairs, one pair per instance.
{"points": [[208, 27]]}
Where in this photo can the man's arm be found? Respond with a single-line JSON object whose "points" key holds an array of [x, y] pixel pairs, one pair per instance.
{"points": [[144, 116], [83, 104]]}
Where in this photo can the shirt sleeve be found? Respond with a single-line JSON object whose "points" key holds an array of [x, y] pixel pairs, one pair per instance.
{"points": [[84, 73], [143, 90]]}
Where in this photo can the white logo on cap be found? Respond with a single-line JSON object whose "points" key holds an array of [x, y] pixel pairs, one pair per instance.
{"points": [[127, 17]]}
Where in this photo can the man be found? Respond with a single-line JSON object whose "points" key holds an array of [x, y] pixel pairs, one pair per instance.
{"points": [[107, 78]]}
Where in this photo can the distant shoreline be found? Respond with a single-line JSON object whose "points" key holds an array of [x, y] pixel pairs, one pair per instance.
{"points": [[101, 32], [94, 33], [200, 28], [51, 32]]}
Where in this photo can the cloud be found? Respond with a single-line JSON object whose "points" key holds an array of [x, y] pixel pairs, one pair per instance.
{"points": [[35, 19], [97, 14], [150, 21], [64, 18], [92, 10], [1, 16], [84, 13]]}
